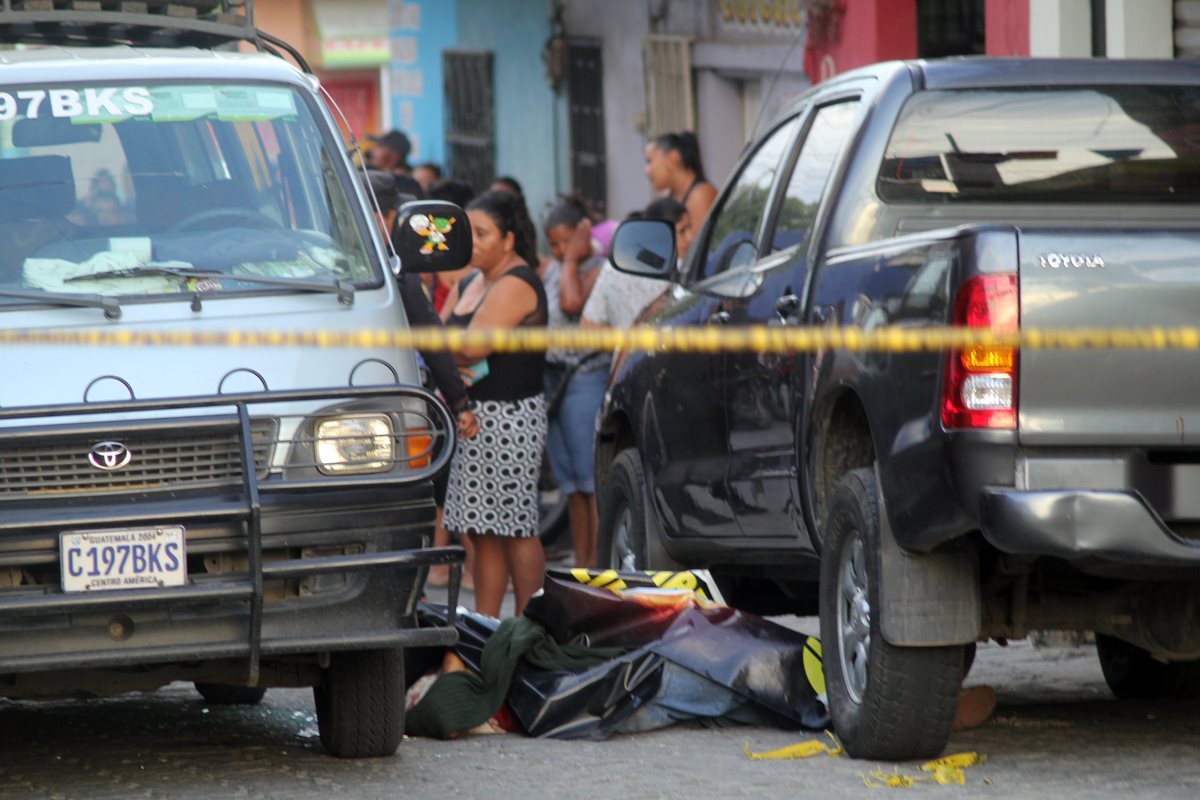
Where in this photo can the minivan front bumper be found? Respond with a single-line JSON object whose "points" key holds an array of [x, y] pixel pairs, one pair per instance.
{"points": [[282, 564]]}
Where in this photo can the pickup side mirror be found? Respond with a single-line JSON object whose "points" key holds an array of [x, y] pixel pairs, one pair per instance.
{"points": [[644, 247], [733, 279], [432, 236]]}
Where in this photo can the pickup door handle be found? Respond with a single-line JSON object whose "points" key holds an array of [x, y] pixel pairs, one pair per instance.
{"points": [[787, 305]]}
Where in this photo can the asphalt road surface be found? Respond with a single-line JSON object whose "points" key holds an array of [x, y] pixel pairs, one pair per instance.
{"points": [[1057, 733]]}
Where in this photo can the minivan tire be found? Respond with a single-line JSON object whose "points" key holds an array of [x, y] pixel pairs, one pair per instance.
{"points": [[621, 541], [1133, 674], [360, 703], [887, 703], [226, 694]]}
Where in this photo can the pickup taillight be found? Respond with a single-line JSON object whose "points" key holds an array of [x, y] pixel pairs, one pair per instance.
{"points": [[980, 388]]}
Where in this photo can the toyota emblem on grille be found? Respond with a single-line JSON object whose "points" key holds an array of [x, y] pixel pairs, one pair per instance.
{"points": [[109, 456]]}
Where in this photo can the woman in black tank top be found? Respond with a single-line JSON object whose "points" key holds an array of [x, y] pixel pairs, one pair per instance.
{"points": [[674, 168], [492, 493]]}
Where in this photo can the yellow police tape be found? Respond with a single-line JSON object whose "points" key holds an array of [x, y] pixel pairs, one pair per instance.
{"points": [[807, 749], [947, 770], [696, 339]]}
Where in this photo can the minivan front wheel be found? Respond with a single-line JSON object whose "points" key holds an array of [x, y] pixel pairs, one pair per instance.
{"points": [[621, 542], [886, 702], [360, 703]]}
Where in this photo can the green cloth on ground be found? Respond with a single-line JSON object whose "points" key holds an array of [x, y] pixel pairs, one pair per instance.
{"points": [[459, 701]]}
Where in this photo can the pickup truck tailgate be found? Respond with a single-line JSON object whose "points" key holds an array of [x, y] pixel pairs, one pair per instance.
{"points": [[1109, 397]]}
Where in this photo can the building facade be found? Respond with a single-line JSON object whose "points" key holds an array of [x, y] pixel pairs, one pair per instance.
{"points": [[346, 43], [565, 94]]}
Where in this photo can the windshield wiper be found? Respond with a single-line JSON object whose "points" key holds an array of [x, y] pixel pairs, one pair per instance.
{"points": [[112, 309], [343, 289]]}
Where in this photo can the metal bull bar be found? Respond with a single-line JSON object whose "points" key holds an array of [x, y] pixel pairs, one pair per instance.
{"points": [[256, 480]]}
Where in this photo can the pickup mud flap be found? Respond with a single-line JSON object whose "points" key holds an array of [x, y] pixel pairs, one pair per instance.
{"points": [[926, 600]]}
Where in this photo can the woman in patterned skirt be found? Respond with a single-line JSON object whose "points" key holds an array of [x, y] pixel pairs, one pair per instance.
{"points": [[492, 495]]}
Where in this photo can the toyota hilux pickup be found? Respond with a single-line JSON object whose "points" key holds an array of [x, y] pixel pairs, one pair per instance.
{"points": [[186, 492], [925, 501]]}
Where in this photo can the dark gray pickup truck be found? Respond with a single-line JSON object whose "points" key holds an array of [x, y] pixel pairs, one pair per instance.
{"points": [[933, 500]]}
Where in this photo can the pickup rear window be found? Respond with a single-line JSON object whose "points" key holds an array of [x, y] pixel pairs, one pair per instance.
{"points": [[1096, 144]]}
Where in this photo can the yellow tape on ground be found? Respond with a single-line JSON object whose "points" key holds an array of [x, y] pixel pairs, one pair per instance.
{"points": [[759, 339], [947, 770], [807, 749]]}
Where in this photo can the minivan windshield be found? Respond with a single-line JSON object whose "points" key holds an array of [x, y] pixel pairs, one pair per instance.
{"points": [[234, 180], [1094, 144]]}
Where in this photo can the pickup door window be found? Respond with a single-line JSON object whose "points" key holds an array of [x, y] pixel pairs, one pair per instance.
{"points": [[687, 473], [761, 389], [798, 211], [741, 212]]}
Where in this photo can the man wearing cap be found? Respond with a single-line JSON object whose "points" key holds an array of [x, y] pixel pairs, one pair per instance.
{"points": [[390, 154]]}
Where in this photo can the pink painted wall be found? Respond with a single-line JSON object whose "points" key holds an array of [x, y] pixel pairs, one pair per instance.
{"points": [[867, 31], [1006, 27], [292, 21]]}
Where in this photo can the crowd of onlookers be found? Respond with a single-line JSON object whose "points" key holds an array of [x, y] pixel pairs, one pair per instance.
{"points": [[513, 408]]}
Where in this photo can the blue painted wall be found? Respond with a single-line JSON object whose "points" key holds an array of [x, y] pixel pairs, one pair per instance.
{"points": [[419, 31], [526, 148]]}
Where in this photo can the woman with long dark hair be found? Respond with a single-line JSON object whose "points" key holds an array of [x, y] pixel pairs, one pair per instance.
{"points": [[674, 168], [492, 495]]}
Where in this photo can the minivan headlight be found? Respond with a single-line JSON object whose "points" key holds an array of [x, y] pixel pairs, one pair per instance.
{"points": [[353, 445]]}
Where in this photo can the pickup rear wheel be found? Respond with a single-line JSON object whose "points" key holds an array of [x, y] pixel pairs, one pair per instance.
{"points": [[1132, 673], [360, 703], [225, 694], [621, 542], [887, 702]]}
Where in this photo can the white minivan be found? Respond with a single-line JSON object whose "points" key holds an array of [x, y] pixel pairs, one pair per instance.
{"points": [[177, 504]]}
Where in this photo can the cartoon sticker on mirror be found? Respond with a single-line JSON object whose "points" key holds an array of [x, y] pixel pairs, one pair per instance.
{"points": [[434, 229]]}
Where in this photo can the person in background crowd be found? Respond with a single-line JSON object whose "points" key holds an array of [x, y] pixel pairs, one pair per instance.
{"points": [[575, 381], [673, 166], [452, 190], [440, 364], [492, 495], [427, 175], [507, 183], [510, 185], [671, 210], [459, 192], [618, 299], [390, 154]]}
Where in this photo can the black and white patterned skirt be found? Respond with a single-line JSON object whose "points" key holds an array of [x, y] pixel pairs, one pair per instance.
{"points": [[493, 484]]}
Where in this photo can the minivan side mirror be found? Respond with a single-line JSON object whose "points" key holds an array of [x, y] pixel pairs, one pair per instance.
{"points": [[644, 247], [432, 236]]}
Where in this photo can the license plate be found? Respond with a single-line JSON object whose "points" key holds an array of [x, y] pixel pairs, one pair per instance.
{"points": [[123, 558]]}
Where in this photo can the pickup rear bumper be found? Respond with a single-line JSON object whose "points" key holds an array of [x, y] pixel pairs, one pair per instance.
{"points": [[1072, 524]]}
